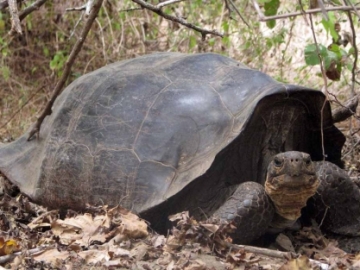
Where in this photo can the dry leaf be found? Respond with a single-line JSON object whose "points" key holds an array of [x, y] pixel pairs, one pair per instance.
{"points": [[158, 240], [82, 229], [130, 225], [301, 263], [8, 246], [51, 255], [179, 216], [95, 256]]}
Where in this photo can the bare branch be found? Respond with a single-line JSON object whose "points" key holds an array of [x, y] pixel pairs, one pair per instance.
{"points": [[356, 51], [258, 10], [8, 258], [238, 12], [323, 10], [169, 2], [34, 6], [325, 85], [87, 7], [344, 111], [303, 12], [4, 4], [353, 7], [70, 61], [181, 21], [263, 18], [15, 21], [17, 111], [81, 8]]}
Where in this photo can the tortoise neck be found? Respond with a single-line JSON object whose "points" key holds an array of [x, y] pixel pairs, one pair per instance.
{"points": [[279, 223]]}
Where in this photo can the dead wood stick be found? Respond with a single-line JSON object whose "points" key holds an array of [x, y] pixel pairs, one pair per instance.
{"points": [[258, 250], [182, 21], [15, 21], [34, 6], [69, 62], [33, 222], [345, 111], [4, 4], [8, 258], [270, 252]]}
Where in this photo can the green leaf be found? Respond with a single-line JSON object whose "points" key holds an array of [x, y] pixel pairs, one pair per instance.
{"points": [[351, 51], [225, 26], [46, 51], [329, 58], [192, 42], [5, 73], [271, 7], [211, 41], [226, 41], [311, 54], [271, 24], [329, 26]]}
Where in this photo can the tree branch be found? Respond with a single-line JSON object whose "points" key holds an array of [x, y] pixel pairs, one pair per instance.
{"points": [[181, 21], [356, 51], [236, 11], [168, 2], [15, 21], [263, 18], [70, 61], [34, 6], [4, 4]]}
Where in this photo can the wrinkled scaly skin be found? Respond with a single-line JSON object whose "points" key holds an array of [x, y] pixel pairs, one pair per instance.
{"points": [[292, 178]]}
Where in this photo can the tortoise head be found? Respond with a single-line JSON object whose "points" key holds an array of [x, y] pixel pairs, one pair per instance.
{"points": [[291, 180]]}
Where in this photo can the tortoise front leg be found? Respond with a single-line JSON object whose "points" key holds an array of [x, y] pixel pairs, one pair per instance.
{"points": [[337, 201], [251, 211]]}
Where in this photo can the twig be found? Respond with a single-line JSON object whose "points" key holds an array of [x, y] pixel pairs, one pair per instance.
{"points": [[352, 149], [238, 12], [70, 61], [356, 51], [323, 10], [303, 12], [76, 25], [258, 10], [169, 2], [18, 110], [130, 9], [34, 6], [81, 8], [344, 111], [325, 85], [181, 21], [7, 258], [353, 7], [15, 21], [87, 7], [269, 252], [263, 18], [33, 222]]}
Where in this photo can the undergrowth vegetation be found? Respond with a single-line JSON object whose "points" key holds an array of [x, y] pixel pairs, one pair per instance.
{"points": [[31, 64]]}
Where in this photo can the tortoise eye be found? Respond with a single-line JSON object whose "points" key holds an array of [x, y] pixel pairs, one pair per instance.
{"points": [[308, 160], [278, 161]]}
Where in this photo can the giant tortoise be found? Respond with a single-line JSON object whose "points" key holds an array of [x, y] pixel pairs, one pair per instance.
{"points": [[168, 132]]}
